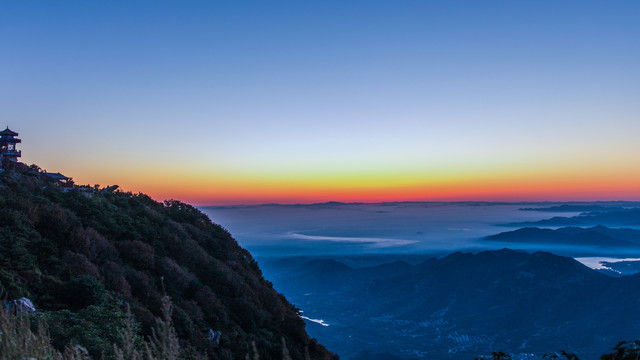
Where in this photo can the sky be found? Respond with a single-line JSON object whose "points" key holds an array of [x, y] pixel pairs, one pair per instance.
{"points": [[247, 102]]}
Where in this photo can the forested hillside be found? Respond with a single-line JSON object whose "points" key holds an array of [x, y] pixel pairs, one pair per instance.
{"points": [[82, 254]]}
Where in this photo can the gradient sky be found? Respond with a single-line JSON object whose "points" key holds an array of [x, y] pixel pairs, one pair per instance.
{"points": [[308, 101]]}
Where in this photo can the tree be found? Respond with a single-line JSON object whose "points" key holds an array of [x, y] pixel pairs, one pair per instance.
{"points": [[559, 355], [624, 350], [497, 355]]}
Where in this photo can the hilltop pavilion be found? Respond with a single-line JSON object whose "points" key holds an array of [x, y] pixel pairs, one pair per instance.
{"points": [[8, 143]]}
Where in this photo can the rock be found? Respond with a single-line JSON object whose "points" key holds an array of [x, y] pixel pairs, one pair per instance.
{"points": [[214, 336], [22, 305]]}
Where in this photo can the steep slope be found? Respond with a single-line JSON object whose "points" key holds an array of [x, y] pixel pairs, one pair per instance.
{"points": [[81, 254]]}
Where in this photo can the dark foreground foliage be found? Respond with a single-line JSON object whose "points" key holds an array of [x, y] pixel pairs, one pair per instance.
{"points": [[624, 350], [82, 254]]}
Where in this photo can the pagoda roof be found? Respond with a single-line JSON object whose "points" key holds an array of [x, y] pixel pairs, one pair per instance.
{"points": [[56, 176], [7, 131]]}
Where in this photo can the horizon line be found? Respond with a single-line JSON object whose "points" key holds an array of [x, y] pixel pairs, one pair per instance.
{"points": [[493, 202]]}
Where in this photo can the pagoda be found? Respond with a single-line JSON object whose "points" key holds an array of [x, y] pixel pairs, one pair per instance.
{"points": [[8, 143]]}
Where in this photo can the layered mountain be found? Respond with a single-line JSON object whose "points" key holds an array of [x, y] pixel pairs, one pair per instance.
{"points": [[84, 255], [582, 208], [464, 304], [599, 236], [613, 217]]}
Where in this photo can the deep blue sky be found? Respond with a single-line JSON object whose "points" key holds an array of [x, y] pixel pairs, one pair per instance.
{"points": [[282, 94]]}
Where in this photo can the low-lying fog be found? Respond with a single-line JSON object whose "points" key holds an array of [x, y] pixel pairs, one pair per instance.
{"points": [[338, 229]]}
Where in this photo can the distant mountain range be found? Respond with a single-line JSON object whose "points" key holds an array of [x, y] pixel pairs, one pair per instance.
{"points": [[599, 236], [620, 217], [620, 268], [579, 208], [463, 305]]}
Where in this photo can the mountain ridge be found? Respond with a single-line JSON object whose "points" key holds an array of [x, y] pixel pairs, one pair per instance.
{"points": [[82, 253], [598, 235], [466, 304]]}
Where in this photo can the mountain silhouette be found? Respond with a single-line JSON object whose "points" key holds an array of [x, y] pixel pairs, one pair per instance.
{"points": [[467, 304], [600, 236]]}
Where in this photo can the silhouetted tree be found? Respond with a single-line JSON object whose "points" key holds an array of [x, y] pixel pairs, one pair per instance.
{"points": [[624, 350], [497, 355], [561, 355]]}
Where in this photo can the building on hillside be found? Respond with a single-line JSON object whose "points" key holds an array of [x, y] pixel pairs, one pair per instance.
{"points": [[9, 153], [8, 141], [58, 179]]}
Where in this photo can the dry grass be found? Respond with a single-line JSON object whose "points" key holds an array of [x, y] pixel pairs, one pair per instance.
{"points": [[19, 341], [164, 344]]}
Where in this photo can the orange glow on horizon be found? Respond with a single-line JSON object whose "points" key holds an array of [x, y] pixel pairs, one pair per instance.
{"points": [[206, 187], [202, 191]]}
